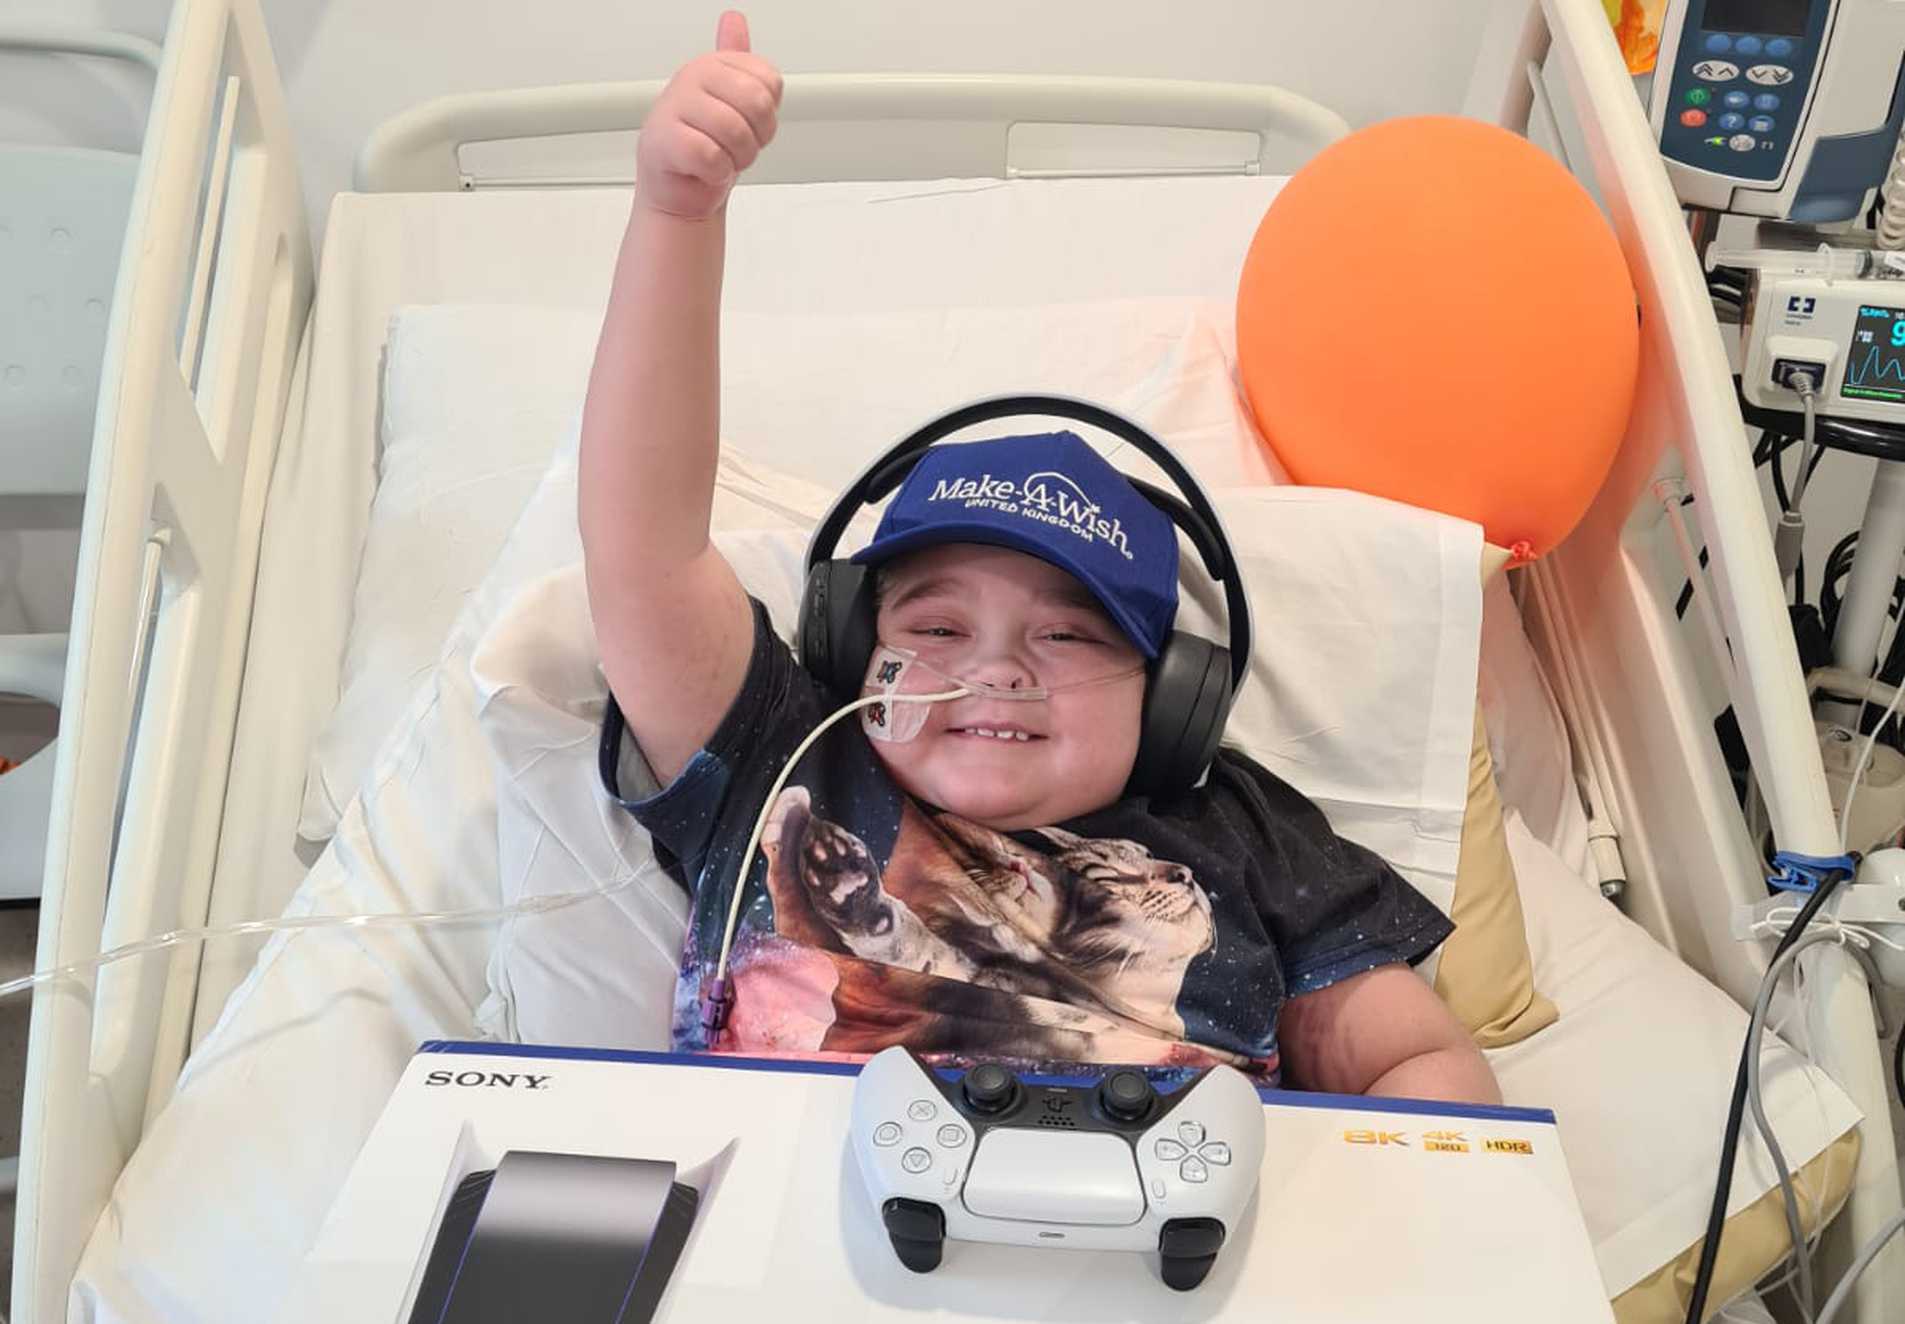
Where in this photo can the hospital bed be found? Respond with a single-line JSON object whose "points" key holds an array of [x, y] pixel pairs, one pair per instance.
{"points": [[236, 484]]}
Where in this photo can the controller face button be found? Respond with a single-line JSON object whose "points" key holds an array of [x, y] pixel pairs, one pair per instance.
{"points": [[1191, 1133], [1167, 1149], [922, 1110], [916, 1160], [952, 1137], [886, 1133]]}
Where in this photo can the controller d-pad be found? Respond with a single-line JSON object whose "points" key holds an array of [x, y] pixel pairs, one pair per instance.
{"points": [[1192, 1169], [1216, 1153], [1191, 1133], [1170, 1151]]}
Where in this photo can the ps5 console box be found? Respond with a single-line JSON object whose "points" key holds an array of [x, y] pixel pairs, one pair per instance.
{"points": [[507, 1182]]}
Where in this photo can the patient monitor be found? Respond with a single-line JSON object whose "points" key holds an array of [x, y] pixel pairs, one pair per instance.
{"points": [[1787, 109]]}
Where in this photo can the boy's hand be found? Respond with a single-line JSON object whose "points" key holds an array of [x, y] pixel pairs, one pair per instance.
{"points": [[711, 121]]}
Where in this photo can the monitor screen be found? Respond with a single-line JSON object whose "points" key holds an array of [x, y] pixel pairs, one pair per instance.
{"points": [[1784, 17], [1875, 361]]}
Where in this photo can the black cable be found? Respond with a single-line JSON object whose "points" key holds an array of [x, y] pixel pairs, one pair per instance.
{"points": [[1762, 451], [1736, 1109], [1898, 1066], [1778, 461], [1686, 590], [1838, 566]]}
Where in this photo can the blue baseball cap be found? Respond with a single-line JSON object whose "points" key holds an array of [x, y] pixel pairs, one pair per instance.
{"points": [[1051, 496]]}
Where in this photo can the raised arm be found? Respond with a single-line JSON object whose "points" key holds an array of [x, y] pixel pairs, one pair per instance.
{"points": [[671, 619]]}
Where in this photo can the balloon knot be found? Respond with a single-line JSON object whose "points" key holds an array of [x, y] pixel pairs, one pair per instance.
{"points": [[1521, 551]]}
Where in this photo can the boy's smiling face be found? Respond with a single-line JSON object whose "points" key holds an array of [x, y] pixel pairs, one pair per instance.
{"points": [[1010, 620]]}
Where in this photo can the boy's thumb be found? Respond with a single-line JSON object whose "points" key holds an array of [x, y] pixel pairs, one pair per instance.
{"points": [[730, 34]]}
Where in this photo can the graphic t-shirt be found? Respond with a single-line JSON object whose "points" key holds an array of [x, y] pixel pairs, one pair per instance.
{"points": [[1161, 932]]}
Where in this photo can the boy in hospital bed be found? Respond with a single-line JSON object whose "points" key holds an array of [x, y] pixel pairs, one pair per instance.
{"points": [[984, 888]]}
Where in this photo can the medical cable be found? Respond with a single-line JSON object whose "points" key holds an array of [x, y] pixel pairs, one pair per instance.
{"points": [[1756, 1028], [719, 997], [1789, 536], [1865, 759], [1898, 1065], [1735, 1117], [1867, 1253], [415, 919]]}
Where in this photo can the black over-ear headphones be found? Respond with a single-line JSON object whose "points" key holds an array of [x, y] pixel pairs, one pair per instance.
{"points": [[1189, 686]]}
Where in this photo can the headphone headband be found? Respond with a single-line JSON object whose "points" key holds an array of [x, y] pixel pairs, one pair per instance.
{"points": [[1194, 514]]}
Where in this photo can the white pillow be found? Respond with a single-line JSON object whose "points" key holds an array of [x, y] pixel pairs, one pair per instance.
{"points": [[475, 395], [1361, 694]]}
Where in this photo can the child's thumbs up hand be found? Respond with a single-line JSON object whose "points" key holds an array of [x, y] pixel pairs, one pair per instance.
{"points": [[715, 116]]}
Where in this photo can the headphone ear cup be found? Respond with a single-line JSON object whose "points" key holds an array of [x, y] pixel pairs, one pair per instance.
{"points": [[1186, 704], [838, 625]]}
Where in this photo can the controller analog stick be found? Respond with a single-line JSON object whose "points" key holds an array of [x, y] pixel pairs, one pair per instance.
{"points": [[1126, 1095], [990, 1088]]}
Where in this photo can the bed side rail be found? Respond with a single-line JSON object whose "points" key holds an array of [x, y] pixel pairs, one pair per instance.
{"points": [[879, 126], [1604, 627], [214, 286]]}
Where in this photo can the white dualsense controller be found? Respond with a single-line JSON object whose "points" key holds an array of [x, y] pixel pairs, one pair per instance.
{"points": [[1108, 1166]]}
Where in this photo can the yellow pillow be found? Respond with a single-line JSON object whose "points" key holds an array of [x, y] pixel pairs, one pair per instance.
{"points": [[1485, 973]]}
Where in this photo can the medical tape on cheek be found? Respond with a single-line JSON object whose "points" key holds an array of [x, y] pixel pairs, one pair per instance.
{"points": [[901, 714]]}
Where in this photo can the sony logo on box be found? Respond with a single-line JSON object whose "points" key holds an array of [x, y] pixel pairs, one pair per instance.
{"points": [[508, 1080]]}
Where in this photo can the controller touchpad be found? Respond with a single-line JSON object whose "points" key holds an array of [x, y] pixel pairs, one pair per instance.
{"points": [[1040, 1177]]}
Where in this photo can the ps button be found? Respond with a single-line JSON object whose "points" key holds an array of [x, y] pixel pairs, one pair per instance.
{"points": [[1217, 1153], [921, 1110], [952, 1137], [886, 1133], [1191, 1133], [1193, 1170], [1170, 1151], [916, 1160]]}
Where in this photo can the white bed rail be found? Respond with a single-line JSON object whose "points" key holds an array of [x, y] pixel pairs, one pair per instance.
{"points": [[1610, 639], [878, 126], [214, 287]]}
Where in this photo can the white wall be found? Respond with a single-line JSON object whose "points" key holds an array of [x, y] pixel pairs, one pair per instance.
{"points": [[348, 64]]}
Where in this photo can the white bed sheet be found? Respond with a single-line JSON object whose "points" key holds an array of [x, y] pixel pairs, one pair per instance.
{"points": [[809, 248]]}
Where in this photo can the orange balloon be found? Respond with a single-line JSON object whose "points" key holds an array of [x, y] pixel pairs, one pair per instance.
{"points": [[1434, 310]]}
